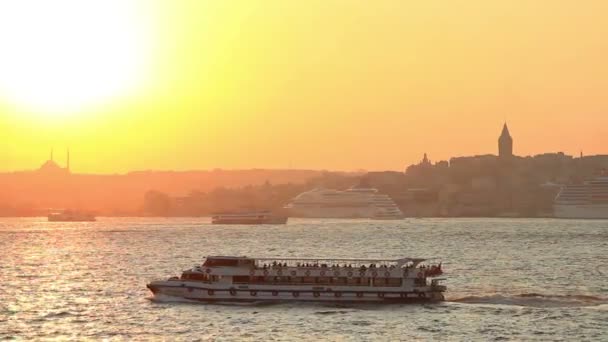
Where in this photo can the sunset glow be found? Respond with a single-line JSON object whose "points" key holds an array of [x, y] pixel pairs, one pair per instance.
{"points": [[59, 58], [302, 84]]}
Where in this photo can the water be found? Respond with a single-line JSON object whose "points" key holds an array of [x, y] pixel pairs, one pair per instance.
{"points": [[509, 279]]}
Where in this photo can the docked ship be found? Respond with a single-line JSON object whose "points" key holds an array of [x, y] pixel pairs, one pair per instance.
{"points": [[243, 279], [588, 200], [257, 217], [71, 216], [350, 203]]}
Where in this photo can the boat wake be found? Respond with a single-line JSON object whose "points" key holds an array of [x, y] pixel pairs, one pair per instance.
{"points": [[535, 300]]}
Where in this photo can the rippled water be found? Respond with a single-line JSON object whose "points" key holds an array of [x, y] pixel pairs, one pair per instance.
{"points": [[508, 280]]}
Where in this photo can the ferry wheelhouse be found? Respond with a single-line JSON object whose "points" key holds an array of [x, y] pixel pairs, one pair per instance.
{"points": [[243, 279]]}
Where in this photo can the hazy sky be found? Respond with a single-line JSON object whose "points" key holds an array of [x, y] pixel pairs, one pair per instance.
{"points": [[305, 84]]}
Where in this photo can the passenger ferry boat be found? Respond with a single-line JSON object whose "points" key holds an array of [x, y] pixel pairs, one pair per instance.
{"points": [[243, 279], [588, 200], [355, 202], [70, 216], [258, 217]]}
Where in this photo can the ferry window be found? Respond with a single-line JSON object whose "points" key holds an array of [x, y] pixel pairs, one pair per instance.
{"points": [[394, 282], [364, 281], [246, 263], [220, 262], [322, 280], [240, 279], [194, 276], [352, 281], [337, 280], [309, 280], [419, 281]]}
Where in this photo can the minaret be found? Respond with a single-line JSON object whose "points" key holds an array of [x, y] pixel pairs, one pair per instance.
{"points": [[51, 159], [505, 143], [425, 160], [67, 167]]}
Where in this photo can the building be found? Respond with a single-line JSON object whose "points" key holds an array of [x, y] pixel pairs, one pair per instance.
{"points": [[50, 167], [505, 143]]}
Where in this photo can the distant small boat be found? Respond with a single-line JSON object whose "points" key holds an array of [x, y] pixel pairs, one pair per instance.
{"points": [[256, 217], [71, 216]]}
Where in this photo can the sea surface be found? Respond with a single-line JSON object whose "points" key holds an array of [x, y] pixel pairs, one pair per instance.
{"points": [[508, 279]]}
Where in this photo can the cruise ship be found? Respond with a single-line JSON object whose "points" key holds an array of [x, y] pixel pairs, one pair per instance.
{"points": [[351, 203], [243, 279], [588, 200]]}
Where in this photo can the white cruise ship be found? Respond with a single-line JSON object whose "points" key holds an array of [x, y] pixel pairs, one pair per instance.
{"points": [[351, 203], [588, 200]]}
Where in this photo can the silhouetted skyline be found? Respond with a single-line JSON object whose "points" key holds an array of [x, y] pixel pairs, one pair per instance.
{"points": [[240, 84]]}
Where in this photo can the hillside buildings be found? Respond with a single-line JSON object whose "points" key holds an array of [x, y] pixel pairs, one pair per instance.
{"points": [[486, 185]]}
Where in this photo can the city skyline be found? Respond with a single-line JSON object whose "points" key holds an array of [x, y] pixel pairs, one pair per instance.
{"points": [[504, 149], [314, 85]]}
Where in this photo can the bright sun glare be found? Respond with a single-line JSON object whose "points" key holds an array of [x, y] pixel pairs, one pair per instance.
{"points": [[62, 55]]}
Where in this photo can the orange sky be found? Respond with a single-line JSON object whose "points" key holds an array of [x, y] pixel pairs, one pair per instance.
{"points": [[305, 84]]}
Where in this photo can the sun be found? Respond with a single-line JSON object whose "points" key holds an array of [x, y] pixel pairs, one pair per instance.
{"points": [[57, 57]]}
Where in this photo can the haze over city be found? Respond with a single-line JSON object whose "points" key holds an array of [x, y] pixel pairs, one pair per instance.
{"points": [[306, 85], [303, 170]]}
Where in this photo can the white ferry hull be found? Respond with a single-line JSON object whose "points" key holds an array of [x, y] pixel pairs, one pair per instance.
{"points": [[583, 211], [198, 292], [337, 212], [342, 212]]}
